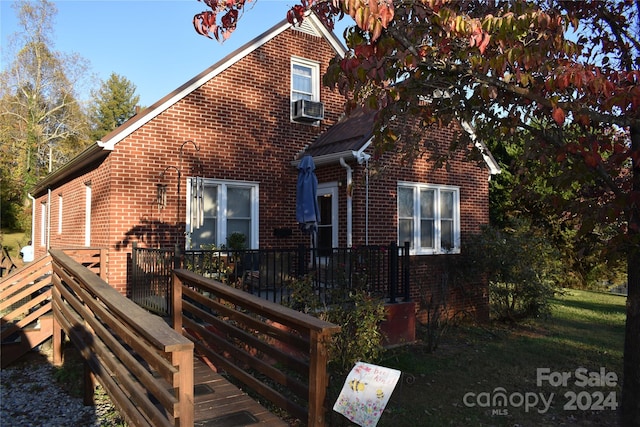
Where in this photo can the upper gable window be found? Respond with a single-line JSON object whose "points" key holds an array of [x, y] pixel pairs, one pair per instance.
{"points": [[305, 80]]}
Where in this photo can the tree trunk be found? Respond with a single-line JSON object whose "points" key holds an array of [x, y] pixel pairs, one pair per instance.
{"points": [[631, 370]]}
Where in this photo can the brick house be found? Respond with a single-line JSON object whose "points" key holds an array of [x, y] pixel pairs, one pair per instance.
{"points": [[233, 135], [401, 204]]}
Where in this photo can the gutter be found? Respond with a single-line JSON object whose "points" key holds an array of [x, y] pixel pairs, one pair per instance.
{"points": [[48, 219], [334, 158], [327, 159], [90, 155]]}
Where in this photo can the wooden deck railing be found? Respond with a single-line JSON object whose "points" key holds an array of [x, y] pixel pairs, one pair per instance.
{"points": [[144, 365], [275, 351], [25, 307], [95, 259]]}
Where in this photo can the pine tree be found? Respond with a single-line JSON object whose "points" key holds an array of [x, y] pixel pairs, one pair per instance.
{"points": [[115, 103]]}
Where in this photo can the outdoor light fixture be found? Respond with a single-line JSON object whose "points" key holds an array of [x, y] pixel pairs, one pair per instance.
{"points": [[197, 188]]}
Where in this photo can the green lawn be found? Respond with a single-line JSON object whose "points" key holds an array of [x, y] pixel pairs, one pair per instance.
{"points": [[581, 343], [13, 241]]}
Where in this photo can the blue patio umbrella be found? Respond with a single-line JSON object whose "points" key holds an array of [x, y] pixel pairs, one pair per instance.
{"points": [[307, 211]]}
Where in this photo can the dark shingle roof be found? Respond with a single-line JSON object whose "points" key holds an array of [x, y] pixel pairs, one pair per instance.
{"points": [[349, 134]]}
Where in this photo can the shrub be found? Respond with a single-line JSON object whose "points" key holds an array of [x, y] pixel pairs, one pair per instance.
{"points": [[522, 269], [357, 312], [360, 338], [359, 315]]}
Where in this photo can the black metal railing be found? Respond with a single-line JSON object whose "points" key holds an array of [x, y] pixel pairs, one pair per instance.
{"points": [[382, 271], [151, 278]]}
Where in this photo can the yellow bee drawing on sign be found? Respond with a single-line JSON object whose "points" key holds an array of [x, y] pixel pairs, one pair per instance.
{"points": [[380, 393], [357, 385]]}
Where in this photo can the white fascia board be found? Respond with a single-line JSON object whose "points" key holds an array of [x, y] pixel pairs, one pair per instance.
{"points": [[328, 158], [492, 164], [199, 80], [327, 34]]}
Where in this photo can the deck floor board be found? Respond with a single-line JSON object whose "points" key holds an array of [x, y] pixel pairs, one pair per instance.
{"points": [[226, 399]]}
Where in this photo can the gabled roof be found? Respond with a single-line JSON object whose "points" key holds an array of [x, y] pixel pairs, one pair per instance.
{"points": [[311, 25], [352, 135]]}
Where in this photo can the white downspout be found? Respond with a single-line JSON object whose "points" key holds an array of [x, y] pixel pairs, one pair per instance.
{"points": [[362, 157], [33, 218], [349, 201]]}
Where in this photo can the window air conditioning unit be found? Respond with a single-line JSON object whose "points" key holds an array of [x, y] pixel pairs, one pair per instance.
{"points": [[307, 111]]}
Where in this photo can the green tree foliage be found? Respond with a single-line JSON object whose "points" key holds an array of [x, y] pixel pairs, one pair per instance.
{"points": [[572, 66], [540, 193], [115, 102], [43, 125]]}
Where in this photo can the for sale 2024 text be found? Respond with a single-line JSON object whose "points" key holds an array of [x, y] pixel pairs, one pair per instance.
{"points": [[587, 399]]}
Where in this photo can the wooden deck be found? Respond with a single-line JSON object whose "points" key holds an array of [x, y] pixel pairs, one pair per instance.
{"points": [[218, 403]]}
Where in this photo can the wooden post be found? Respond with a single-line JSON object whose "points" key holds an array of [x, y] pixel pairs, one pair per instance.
{"points": [[183, 360], [57, 332], [103, 263], [89, 383], [87, 335], [176, 302], [317, 378]]}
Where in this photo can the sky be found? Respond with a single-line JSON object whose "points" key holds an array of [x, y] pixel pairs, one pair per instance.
{"points": [[150, 42]]}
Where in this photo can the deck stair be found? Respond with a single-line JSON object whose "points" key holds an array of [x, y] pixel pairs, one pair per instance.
{"points": [[26, 339], [25, 307]]}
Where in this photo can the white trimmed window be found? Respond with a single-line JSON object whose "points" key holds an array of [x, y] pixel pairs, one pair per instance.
{"points": [[217, 209], [43, 224], [87, 214], [305, 79], [59, 213], [429, 218]]}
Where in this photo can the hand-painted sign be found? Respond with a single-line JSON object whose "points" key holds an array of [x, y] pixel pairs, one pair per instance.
{"points": [[366, 392]]}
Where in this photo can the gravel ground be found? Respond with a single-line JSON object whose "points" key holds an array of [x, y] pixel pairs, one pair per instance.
{"points": [[30, 396]]}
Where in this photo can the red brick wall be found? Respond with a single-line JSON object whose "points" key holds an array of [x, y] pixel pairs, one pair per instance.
{"points": [[70, 197], [240, 122], [427, 271]]}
